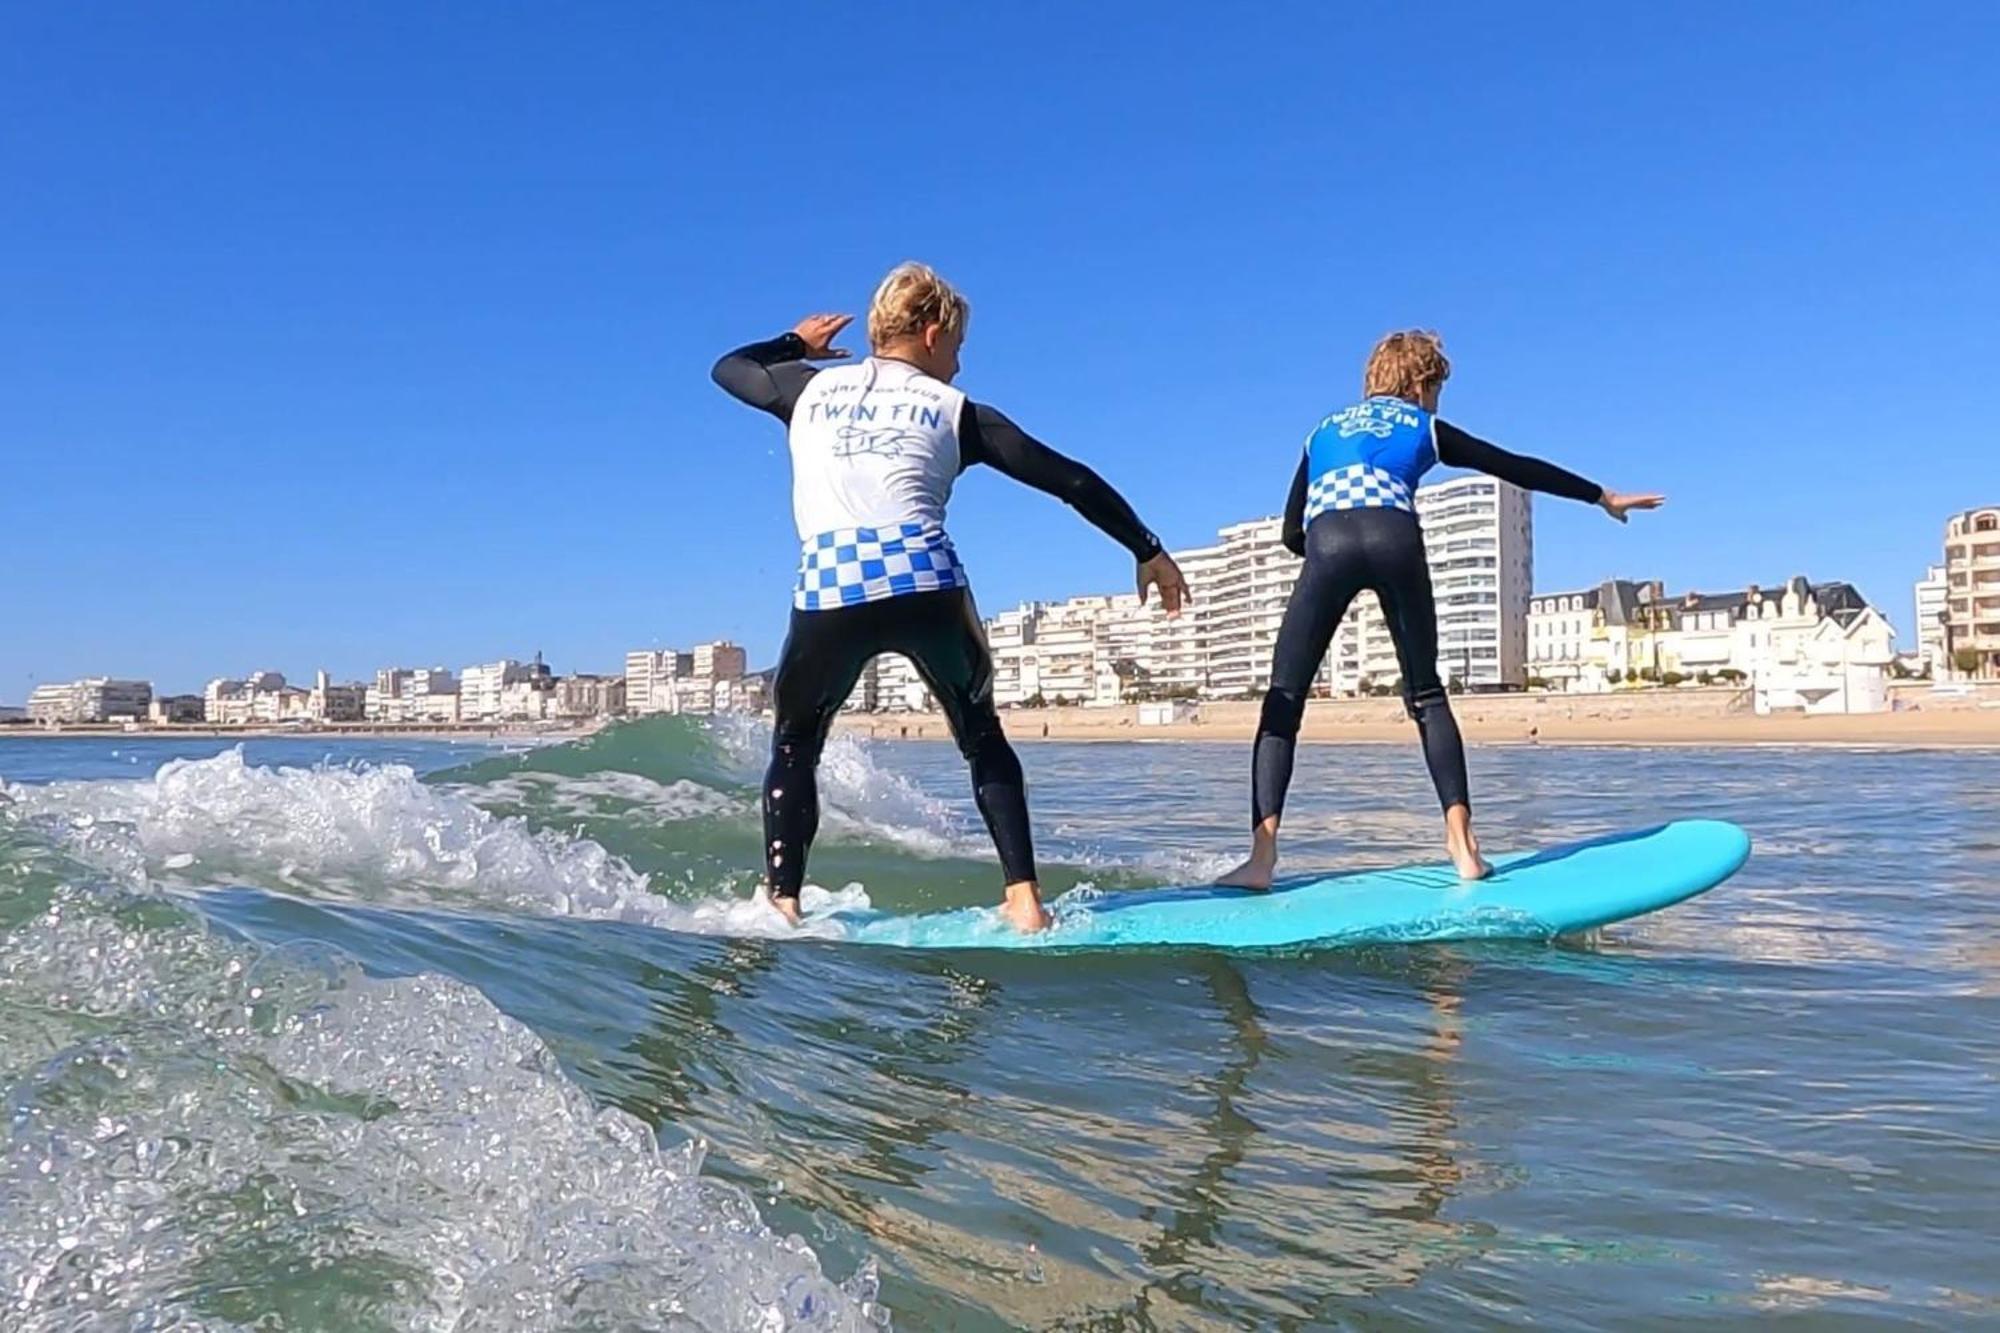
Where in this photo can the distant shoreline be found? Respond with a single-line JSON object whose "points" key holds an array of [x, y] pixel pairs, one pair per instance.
{"points": [[1718, 721], [336, 731], [1696, 718]]}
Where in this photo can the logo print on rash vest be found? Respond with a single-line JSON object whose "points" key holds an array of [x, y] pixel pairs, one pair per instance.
{"points": [[886, 442], [1353, 422]]}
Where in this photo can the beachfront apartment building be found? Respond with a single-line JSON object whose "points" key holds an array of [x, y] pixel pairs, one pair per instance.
{"points": [[1803, 646], [1813, 647], [91, 699], [650, 677], [1108, 649], [331, 702], [1591, 638], [1933, 599], [174, 710], [263, 698], [1479, 542], [721, 660], [1066, 649], [712, 678], [586, 695], [1479, 535], [506, 690], [1179, 663], [1972, 587], [865, 697], [898, 687], [412, 695], [1246, 581], [1017, 675], [1126, 639]]}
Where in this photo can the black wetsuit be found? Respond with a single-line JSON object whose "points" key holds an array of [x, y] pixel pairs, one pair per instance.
{"points": [[940, 632], [1379, 550]]}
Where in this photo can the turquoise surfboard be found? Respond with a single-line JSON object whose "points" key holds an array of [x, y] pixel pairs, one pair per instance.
{"points": [[1530, 895]]}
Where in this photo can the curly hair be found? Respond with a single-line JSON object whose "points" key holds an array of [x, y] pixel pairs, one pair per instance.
{"points": [[912, 298], [1404, 364]]}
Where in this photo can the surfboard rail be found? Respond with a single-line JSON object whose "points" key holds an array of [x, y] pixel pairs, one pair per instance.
{"points": [[1537, 894]]}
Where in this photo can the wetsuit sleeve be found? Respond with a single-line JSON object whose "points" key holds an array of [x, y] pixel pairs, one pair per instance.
{"points": [[768, 375], [1458, 449], [1294, 536], [985, 435]]}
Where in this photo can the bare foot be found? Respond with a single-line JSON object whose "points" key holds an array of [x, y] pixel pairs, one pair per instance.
{"points": [[1465, 855], [1256, 873], [1461, 845], [1022, 909], [787, 908]]}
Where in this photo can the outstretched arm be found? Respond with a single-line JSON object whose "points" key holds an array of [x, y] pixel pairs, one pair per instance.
{"points": [[771, 375], [1456, 448], [985, 435], [1459, 449], [1294, 536]]}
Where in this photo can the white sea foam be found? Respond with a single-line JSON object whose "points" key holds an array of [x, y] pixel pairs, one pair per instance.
{"points": [[204, 1135], [375, 832], [637, 796], [858, 797]]}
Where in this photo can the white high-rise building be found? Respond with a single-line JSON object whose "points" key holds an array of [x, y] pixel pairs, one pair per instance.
{"points": [[1242, 606], [1479, 536], [1095, 651], [1181, 663], [1066, 649], [1363, 657], [1124, 649], [1972, 593], [483, 694], [1933, 597], [1017, 670], [899, 689], [1479, 543], [721, 660], [866, 695], [92, 699], [650, 677], [412, 694]]}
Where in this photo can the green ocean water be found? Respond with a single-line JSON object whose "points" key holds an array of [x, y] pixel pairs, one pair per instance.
{"points": [[315, 1035]]}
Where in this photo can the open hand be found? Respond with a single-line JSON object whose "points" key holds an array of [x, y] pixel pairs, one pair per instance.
{"points": [[818, 333], [1618, 506], [1161, 572]]}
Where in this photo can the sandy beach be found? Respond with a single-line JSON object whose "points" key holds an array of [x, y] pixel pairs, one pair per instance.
{"points": [[1680, 717]]}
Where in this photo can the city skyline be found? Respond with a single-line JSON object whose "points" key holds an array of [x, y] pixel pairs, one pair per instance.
{"points": [[368, 354], [1074, 646]]}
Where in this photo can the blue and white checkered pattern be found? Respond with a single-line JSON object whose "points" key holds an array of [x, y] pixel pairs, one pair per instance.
{"points": [[1357, 486], [856, 565]]}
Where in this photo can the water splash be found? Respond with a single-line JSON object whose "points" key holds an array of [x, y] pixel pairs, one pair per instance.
{"points": [[376, 833], [201, 1134]]}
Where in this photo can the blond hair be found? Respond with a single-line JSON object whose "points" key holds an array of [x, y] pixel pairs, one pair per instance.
{"points": [[912, 298], [1405, 364]]}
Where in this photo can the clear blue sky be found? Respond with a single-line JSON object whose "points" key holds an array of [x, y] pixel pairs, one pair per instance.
{"points": [[353, 334]]}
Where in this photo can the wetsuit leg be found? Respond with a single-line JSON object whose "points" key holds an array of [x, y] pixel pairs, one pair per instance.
{"points": [[947, 645], [822, 658], [1401, 577], [1333, 573]]}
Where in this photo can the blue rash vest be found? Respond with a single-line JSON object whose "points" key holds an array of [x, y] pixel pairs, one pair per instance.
{"points": [[1369, 456]]}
